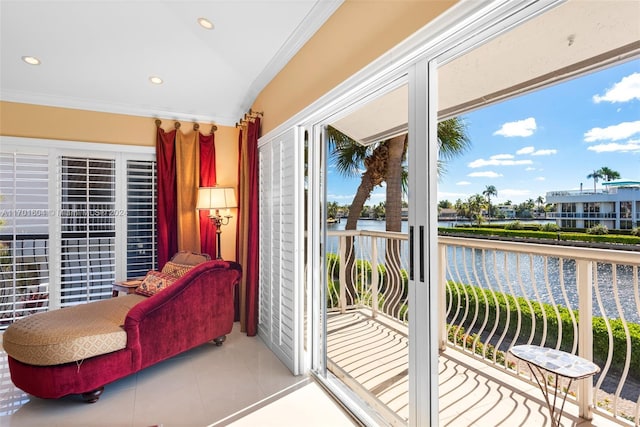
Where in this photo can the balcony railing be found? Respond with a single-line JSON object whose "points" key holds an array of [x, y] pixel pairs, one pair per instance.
{"points": [[495, 295], [582, 215]]}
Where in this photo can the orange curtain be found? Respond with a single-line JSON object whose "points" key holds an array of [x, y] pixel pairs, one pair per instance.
{"points": [[185, 162], [188, 174]]}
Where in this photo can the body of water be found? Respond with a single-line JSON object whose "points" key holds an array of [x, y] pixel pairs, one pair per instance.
{"points": [[520, 282]]}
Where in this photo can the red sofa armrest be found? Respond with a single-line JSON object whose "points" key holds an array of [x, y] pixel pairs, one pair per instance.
{"points": [[195, 309]]}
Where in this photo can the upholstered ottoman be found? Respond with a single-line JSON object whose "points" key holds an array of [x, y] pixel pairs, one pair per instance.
{"points": [[70, 334]]}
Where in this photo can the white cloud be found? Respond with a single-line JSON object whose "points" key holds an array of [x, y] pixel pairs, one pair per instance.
{"points": [[501, 157], [529, 169], [524, 127], [613, 133], [540, 178], [526, 150], [613, 147], [625, 90], [486, 174], [497, 162], [532, 150], [547, 152], [463, 183]]}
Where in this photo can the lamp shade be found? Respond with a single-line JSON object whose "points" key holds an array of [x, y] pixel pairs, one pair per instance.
{"points": [[216, 198]]}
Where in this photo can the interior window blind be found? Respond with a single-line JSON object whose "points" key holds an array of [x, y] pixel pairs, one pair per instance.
{"points": [[88, 229], [141, 217], [24, 235]]}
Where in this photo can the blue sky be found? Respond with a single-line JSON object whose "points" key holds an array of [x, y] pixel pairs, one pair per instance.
{"points": [[544, 141]]}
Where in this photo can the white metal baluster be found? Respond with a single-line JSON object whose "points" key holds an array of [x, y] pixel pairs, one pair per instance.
{"points": [[627, 361], [459, 284], [553, 302], [574, 321], [515, 297], [473, 289], [495, 301], [374, 277], [342, 275], [507, 304], [525, 295], [486, 305], [442, 289], [585, 271], [636, 294], [466, 298]]}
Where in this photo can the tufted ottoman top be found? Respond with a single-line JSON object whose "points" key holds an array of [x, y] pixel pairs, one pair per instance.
{"points": [[70, 334]]}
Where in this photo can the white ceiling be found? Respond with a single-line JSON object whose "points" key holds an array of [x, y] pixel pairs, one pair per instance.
{"points": [[98, 55]]}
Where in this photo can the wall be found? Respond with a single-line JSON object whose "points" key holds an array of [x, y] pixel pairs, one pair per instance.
{"points": [[35, 121], [355, 35]]}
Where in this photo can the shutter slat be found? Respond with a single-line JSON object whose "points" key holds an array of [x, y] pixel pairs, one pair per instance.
{"points": [[24, 239]]}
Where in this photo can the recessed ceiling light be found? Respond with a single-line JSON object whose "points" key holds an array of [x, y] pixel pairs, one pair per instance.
{"points": [[155, 80], [205, 23], [31, 60]]}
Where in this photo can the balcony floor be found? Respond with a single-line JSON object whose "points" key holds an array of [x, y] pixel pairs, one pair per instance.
{"points": [[243, 384], [372, 354]]}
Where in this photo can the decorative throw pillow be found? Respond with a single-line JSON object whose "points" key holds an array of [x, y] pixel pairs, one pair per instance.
{"points": [[154, 282], [176, 270]]}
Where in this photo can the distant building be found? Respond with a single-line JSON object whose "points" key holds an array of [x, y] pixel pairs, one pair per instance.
{"points": [[506, 211], [617, 206], [447, 214]]}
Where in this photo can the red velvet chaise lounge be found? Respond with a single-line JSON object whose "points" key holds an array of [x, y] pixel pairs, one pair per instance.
{"points": [[80, 349]]}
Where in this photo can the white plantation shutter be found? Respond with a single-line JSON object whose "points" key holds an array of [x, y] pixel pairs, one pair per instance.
{"points": [[72, 222], [88, 229], [141, 217], [280, 182], [24, 235]]}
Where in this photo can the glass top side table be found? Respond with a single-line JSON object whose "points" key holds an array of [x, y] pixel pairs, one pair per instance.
{"points": [[559, 363]]}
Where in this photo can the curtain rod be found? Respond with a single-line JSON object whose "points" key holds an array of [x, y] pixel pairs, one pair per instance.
{"points": [[249, 115], [196, 126]]}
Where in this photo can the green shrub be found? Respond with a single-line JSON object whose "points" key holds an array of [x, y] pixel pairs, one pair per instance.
{"points": [[598, 229], [565, 236], [635, 231], [531, 311], [515, 225], [550, 226]]}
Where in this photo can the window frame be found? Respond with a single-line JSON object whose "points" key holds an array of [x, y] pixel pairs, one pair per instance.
{"points": [[55, 150]]}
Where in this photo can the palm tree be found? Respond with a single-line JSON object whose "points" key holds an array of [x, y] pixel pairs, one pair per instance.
{"points": [[332, 210], [596, 175], [608, 174], [475, 205], [488, 192], [452, 141], [540, 201], [384, 162]]}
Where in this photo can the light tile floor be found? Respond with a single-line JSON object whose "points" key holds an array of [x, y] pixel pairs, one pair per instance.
{"points": [[241, 382]]}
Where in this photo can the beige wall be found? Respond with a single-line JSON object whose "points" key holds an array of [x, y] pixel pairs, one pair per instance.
{"points": [[34, 121], [359, 32]]}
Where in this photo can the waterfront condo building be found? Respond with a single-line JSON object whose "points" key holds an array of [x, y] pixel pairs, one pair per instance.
{"points": [[616, 206]]}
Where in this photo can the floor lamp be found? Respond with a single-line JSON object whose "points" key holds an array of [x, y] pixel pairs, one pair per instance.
{"points": [[214, 199]]}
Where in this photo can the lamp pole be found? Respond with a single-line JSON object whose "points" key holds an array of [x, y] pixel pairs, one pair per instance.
{"points": [[219, 221]]}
